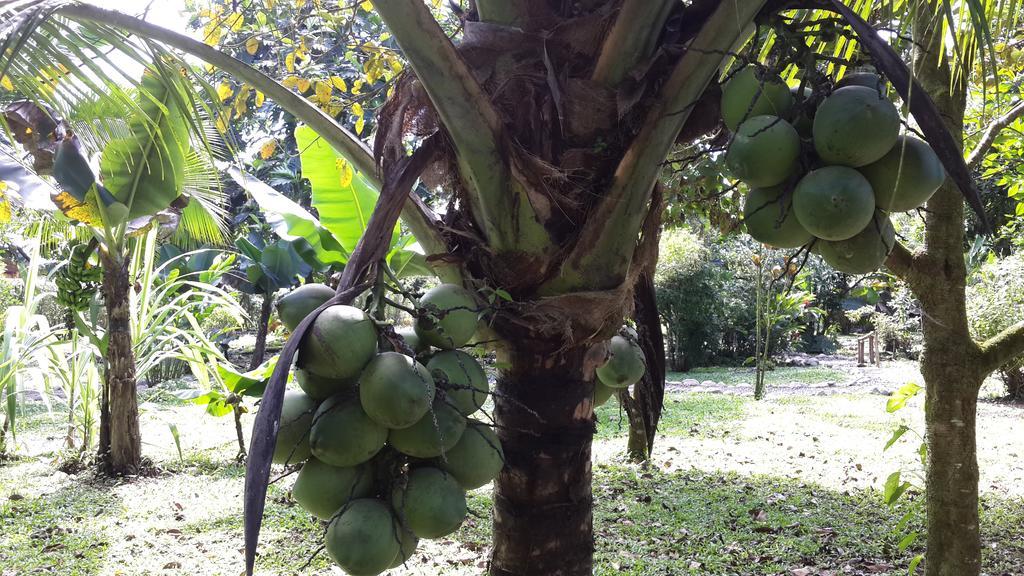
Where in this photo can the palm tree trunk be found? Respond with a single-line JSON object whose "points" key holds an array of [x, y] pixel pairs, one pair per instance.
{"points": [[260, 350], [120, 449], [543, 523]]}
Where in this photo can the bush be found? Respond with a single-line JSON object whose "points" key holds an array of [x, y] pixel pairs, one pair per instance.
{"points": [[995, 301]]}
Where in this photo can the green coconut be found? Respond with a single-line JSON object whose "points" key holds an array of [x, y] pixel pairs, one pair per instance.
{"points": [[764, 151], [395, 390], [865, 252], [339, 343], [319, 387], [834, 202], [753, 92], [452, 316], [465, 382], [437, 432], [625, 365], [342, 433], [432, 504], [906, 177], [855, 126], [293, 434], [865, 79], [294, 306], [413, 340], [477, 458], [361, 540], [407, 546], [602, 393], [322, 489], [768, 215]]}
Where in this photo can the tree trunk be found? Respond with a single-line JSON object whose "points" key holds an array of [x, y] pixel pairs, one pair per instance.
{"points": [[236, 408], [644, 406], [1013, 378], [543, 524], [120, 441], [954, 541], [260, 350]]}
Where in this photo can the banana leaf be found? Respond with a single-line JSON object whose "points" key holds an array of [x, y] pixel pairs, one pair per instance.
{"points": [[146, 171]]}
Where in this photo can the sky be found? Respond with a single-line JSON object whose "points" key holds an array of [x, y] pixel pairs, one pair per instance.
{"points": [[167, 13]]}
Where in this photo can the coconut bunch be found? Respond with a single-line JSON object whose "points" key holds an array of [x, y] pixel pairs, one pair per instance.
{"points": [[825, 170], [624, 366], [387, 440]]}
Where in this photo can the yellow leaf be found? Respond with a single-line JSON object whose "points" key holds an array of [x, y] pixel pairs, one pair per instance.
{"points": [[357, 109], [260, 98], [240, 107], [269, 4], [5, 206], [385, 36], [339, 83], [345, 172], [357, 86], [359, 125], [368, 6], [268, 148], [224, 91], [6, 83], [235, 21], [371, 76], [303, 84], [252, 45], [289, 62], [290, 81], [86, 211], [212, 34], [323, 91]]}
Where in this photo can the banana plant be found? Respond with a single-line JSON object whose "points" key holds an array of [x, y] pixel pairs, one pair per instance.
{"points": [[344, 200], [268, 268], [120, 174]]}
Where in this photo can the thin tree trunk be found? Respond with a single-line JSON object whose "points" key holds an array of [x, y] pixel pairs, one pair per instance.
{"points": [[1014, 380], [954, 541], [260, 350], [543, 524], [644, 406], [237, 409], [120, 439]]}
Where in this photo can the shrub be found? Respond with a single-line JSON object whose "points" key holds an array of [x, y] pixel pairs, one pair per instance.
{"points": [[995, 301]]}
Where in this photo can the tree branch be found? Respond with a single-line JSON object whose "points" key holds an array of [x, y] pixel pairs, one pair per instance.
{"points": [[600, 259], [503, 212], [1004, 347], [993, 130], [632, 39], [343, 141]]}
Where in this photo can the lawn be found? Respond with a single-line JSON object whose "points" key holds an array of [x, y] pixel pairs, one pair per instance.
{"points": [[735, 487]]}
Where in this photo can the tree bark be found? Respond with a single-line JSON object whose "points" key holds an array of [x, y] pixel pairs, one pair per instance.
{"points": [[543, 522], [120, 450], [260, 350]]}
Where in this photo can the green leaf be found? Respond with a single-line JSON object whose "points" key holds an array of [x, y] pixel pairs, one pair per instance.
{"points": [[177, 439], [912, 569], [896, 435], [249, 383], [146, 170], [907, 541], [344, 200], [894, 488], [292, 222], [898, 399]]}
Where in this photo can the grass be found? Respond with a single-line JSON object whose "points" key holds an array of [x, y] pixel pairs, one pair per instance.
{"points": [[706, 415], [735, 488], [731, 376]]}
